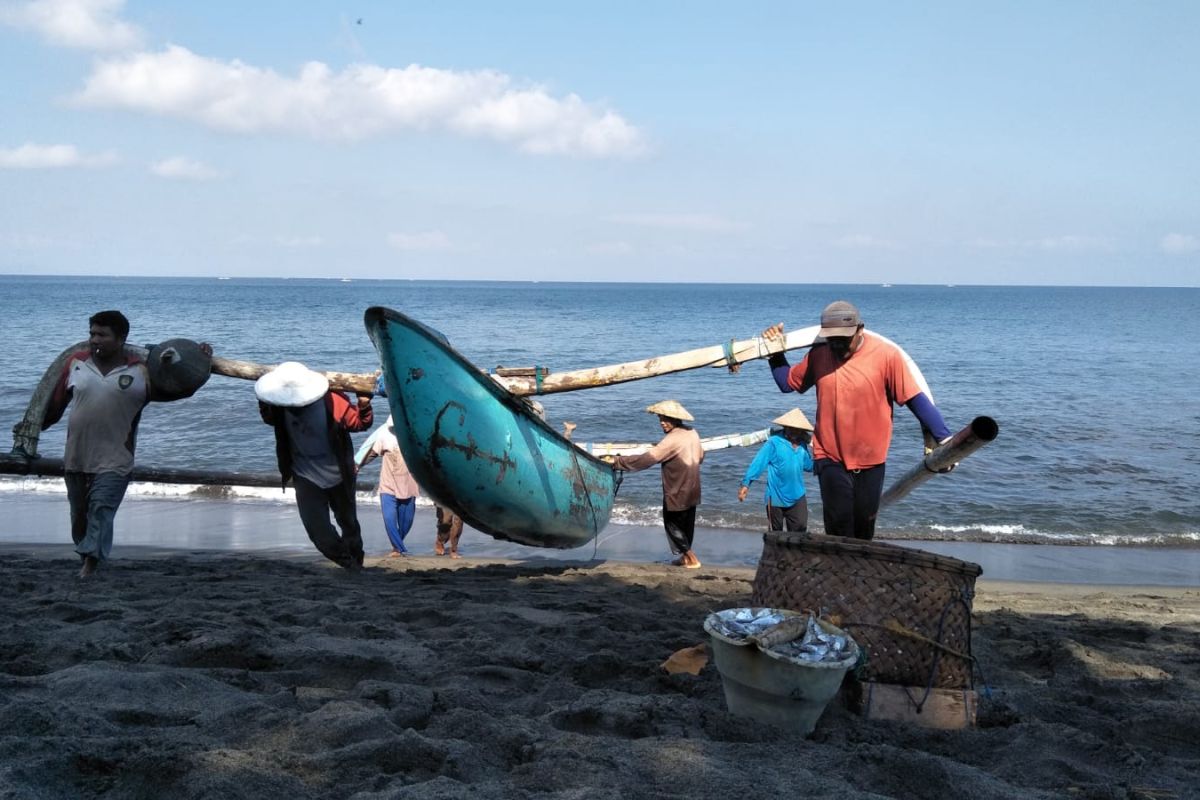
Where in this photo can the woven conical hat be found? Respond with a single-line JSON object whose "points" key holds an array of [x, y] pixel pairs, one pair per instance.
{"points": [[794, 419], [672, 409]]}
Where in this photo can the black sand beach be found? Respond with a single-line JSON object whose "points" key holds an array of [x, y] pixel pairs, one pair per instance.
{"points": [[176, 674]]}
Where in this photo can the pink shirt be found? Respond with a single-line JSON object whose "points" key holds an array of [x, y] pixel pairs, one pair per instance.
{"points": [[394, 477]]}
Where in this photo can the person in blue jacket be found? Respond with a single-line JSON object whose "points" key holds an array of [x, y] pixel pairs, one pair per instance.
{"points": [[785, 458]]}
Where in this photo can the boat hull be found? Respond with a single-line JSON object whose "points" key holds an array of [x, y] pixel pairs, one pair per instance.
{"points": [[481, 451]]}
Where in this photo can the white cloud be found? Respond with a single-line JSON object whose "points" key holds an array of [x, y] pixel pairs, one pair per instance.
{"points": [[1179, 244], [706, 223], [85, 24], [425, 241], [51, 156], [862, 241], [181, 168], [359, 102]]}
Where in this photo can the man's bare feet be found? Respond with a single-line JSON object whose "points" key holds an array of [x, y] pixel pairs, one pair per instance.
{"points": [[396, 554], [454, 554], [90, 563], [439, 549]]}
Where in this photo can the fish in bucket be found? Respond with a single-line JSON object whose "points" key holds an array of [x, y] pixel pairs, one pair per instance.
{"points": [[779, 666]]}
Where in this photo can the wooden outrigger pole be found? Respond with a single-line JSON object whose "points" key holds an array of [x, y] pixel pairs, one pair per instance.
{"points": [[535, 381], [539, 380]]}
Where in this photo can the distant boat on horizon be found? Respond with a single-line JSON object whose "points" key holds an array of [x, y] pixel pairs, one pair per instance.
{"points": [[886, 285]]}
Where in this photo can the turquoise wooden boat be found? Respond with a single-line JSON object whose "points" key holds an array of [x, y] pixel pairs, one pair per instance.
{"points": [[482, 451]]}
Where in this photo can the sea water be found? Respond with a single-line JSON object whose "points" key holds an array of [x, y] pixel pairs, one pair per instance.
{"points": [[1094, 389]]}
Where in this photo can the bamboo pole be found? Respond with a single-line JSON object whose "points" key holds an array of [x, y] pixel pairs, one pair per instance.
{"points": [[731, 355], [708, 444], [962, 444]]}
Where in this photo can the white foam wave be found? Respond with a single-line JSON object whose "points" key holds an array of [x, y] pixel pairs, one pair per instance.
{"points": [[1015, 529], [181, 491]]}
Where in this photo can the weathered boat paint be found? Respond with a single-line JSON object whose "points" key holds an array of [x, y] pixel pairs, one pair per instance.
{"points": [[480, 450]]}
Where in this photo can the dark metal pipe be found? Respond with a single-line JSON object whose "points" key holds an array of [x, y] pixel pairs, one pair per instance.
{"points": [[981, 431]]}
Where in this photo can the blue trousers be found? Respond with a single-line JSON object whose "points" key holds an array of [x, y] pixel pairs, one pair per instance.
{"points": [[94, 499], [397, 518]]}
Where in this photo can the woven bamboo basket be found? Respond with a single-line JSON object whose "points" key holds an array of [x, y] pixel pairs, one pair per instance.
{"points": [[910, 611]]}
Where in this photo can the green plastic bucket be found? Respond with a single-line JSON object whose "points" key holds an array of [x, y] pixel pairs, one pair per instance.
{"points": [[775, 688]]}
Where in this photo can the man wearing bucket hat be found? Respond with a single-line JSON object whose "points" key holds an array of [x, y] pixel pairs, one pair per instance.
{"points": [[785, 459], [312, 443], [680, 454], [857, 376]]}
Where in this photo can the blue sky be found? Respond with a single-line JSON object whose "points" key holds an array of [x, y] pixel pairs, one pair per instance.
{"points": [[967, 143]]}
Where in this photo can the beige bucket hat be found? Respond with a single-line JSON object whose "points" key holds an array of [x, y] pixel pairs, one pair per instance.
{"points": [[291, 385], [794, 419], [670, 408]]}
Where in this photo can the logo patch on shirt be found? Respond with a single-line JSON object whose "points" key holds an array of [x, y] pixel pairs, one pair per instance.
{"points": [[125, 381]]}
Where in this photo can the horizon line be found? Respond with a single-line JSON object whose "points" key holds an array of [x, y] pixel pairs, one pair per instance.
{"points": [[533, 281]]}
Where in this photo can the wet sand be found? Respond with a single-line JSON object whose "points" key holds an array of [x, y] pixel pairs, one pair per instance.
{"points": [[274, 674], [254, 526]]}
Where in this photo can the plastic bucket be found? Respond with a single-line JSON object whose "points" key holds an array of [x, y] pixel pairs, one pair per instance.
{"points": [[770, 687]]}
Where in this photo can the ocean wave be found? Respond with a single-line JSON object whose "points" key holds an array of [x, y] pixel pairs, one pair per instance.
{"points": [[650, 516], [182, 491]]}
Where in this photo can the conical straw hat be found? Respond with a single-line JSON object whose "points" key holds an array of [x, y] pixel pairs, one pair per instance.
{"points": [[672, 409], [794, 419], [291, 385]]}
